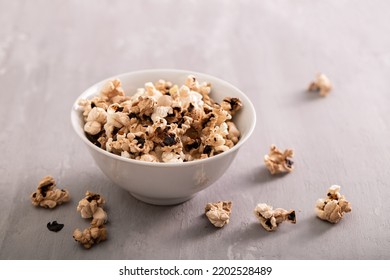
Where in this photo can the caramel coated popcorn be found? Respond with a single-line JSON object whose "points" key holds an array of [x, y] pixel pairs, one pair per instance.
{"points": [[161, 122], [92, 207], [321, 84], [279, 162], [48, 195], [270, 218], [333, 207], [219, 213]]}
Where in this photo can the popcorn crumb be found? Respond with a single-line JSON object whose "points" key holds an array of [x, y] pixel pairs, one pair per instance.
{"points": [[47, 194], [321, 84], [218, 213], [270, 218], [279, 162], [333, 207]]}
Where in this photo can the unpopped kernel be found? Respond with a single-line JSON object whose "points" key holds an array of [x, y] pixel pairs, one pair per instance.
{"points": [[333, 207], [270, 218], [161, 122]]}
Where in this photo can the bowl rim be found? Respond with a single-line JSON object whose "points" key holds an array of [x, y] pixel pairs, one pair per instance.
{"points": [[75, 119]]}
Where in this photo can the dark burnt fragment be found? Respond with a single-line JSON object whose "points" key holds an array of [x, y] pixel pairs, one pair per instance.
{"points": [[170, 139], [54, 226], [140, 140], [291, 217]]}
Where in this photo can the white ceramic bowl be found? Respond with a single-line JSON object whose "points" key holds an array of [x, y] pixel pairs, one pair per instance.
{"points": [[166, 183]]}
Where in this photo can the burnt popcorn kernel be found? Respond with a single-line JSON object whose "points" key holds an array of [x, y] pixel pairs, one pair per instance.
{"points": [[268, 223], [291, 216], [207, 149], [180, 123], [93, 105], [91, 138], [140, 140], [54, 226], [289, 162], [93, 197], [190, 108], [132, 115], [45, 188], [206, 110], [206, 120], [170, 139], [235, 103], [115, 130], [192, 146]]}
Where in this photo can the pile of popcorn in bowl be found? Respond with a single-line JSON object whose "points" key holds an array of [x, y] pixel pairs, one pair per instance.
{"points": [[163, 134], [161, 122]]}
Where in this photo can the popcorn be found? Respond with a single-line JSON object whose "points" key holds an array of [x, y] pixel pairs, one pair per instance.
{"points": [[232, 105], [112, 91], [92, 207], [333, 207], [270, 218], [234, 134], [90, 236], [219, 213], [47, 195], [161, 122], [95, 120], [321, 84], [277, 161], [54, 226]]}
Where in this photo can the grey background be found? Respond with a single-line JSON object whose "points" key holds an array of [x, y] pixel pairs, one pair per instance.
{"points": [[51, 51]]}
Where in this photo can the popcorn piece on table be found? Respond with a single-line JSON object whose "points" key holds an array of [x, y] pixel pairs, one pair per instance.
{"points": [[277, 161], [47, 194], [90, 236], [219, 213], [91, 207], [270, 218], [333, 207], [321, 84]]}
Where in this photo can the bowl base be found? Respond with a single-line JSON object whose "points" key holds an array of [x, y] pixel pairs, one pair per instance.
{"points": [[162, 201]]}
